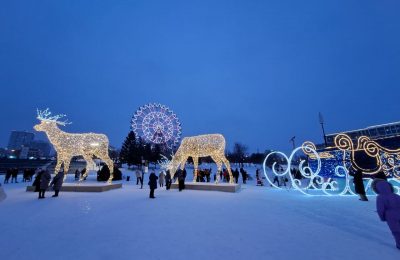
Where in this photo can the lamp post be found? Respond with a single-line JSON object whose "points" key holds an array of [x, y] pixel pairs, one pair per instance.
{"points": [[321, 121], [292, 140]]}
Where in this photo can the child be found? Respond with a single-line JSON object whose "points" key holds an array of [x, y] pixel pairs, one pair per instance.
{"points": [[388, 207]]}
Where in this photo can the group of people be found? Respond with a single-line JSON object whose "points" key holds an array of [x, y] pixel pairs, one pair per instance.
{"points": [[43, 181], [164, 178], [80, 174], [13, 174]]}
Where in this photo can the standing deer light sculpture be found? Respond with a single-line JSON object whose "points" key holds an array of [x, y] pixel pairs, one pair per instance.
{"points": [[201, 146], [68, 145]]}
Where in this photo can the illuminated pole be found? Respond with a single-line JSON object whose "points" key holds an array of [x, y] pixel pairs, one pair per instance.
{"points": [[321, 121]]}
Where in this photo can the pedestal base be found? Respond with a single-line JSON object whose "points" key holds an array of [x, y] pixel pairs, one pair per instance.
{"points": [[72, 187], [207, 186]]}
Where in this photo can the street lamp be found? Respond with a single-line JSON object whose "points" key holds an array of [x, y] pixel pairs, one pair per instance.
{"points": [[321, 121]]}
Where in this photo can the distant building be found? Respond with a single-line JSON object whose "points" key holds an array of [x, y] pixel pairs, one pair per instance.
{"points": [[39, 148], [19, 139], [23, 146], [3, 152], [387, 134]]}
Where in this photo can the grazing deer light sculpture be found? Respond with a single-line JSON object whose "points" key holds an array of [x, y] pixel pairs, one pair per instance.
{"points": [[201, 146], [69, 145]]}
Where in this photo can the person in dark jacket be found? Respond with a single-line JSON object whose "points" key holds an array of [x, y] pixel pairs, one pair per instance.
{"points": [[77, 174], [36, 182], [181, 179], [244, 175], [381, 175], [14, 175], [168, 180], [236, 175], [8, 176], [57, 183], [153, 184], [358, 183], [388, 207], [44, 183]]}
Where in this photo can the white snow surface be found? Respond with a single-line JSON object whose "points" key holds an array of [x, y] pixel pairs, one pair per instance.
{"points": [[255, 223]]}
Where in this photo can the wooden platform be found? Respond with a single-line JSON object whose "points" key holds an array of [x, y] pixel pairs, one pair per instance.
{"points": [[72, 187], [208, 186]]}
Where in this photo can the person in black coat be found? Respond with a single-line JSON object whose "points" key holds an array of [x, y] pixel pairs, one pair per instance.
{"points": [[181, 179], [358, 183], [14, 175], [36, 182], [168, 180], [380, 175], [236, 175], [8, 176], [57, 183], [244, 175], [153, 184], [77, 174]]}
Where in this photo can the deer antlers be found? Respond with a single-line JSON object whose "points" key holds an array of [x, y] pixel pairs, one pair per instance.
{"points": [[45, 115]]}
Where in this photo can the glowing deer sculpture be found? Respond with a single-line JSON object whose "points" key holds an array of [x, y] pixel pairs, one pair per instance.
{"points": [[201, 146], [69, 145]]}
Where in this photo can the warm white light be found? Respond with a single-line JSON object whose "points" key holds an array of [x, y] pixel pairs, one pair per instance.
{"points": [[201, 146], [68, 145]]}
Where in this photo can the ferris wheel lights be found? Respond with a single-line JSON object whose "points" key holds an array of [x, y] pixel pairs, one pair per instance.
{"points": [[157, 124]]}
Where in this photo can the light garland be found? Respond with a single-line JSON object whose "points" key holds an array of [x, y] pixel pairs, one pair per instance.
{"points": [[157, 124], [212, 145], [387, 160], [68, 145], [316, 185]]}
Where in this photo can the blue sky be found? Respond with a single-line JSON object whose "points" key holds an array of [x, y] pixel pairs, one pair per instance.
{"points": [[256, 71]]}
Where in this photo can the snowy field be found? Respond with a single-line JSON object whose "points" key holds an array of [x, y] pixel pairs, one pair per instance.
{"points": [[256, 223]]}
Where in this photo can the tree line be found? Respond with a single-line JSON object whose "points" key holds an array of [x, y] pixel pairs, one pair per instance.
{"points": [[136, 151]]}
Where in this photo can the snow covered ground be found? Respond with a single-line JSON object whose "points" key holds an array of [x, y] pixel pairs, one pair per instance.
{"points": [[256, 223]]}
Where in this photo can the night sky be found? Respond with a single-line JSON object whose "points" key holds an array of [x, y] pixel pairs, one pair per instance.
{"points": [[256, 71]]}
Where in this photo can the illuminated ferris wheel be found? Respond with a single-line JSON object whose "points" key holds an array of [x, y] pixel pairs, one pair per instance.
{"points": [[157, 124]]}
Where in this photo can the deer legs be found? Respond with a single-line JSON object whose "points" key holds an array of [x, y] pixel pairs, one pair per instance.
{"points": [[89, 160], [218, 162], [196, 165], [228, 167], [110, 165]]}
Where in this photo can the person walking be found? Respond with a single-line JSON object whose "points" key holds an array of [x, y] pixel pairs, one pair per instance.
{"points": [[181, 180], [44, 183], [152, 184], [358, 183], [8, 176], [236, 175], [14, 175], [168, 180], [161, 178], [388, 207], [36, 182], [244, 175], [57, 183], [138, 176]]}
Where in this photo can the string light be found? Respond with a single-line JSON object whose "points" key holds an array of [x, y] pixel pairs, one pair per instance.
{"points": [[68, 145], [212, 145], [317, 185], [387, 160]]}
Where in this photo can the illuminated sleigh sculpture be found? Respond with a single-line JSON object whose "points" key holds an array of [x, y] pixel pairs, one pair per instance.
{"points": [[200, 146], [69, 145], [314, 184]]}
